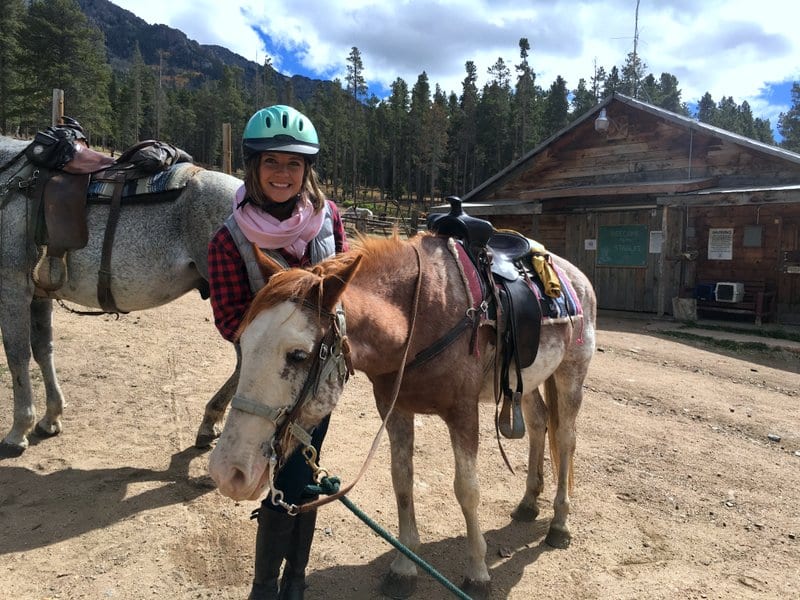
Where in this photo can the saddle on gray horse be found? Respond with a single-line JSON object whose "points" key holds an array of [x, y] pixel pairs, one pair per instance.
{"points": [[68, 167], [504, 261]]}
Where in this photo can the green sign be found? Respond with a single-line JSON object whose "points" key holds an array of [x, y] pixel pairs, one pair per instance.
{"points": [[622, 246]]}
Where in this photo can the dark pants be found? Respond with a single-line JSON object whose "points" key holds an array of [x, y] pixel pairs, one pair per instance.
{"points": [[295, 475]]}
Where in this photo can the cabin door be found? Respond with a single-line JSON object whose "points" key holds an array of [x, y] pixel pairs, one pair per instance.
{"points": [[789, 272]]}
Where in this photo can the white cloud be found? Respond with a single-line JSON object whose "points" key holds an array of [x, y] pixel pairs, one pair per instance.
{"points": [[726, 47]]}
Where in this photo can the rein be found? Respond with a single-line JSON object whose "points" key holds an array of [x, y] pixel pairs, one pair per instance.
{"points": [[319, 473]]}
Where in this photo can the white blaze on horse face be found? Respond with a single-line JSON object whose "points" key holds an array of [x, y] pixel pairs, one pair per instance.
{"points": [[271, 375]]}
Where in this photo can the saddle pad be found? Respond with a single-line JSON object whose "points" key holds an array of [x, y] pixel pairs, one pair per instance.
{"points": [[174, 178], [554, 310]]}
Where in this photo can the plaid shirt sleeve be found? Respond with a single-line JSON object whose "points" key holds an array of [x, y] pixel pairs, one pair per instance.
{"points": [[339, 234], [230, 286]]}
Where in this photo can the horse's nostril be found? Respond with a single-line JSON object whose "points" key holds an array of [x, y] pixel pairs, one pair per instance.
{"points": [[238, 478]]}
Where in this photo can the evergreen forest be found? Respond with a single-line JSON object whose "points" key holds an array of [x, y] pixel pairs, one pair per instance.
{"points": [[419, 144]]}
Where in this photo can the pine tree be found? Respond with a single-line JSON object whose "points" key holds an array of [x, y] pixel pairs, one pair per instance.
{"points": [[706, 109], [763, 131], [466, 131], [524, 105], [789, 122], [356, 88], [399, 153], [438, 135], [11, 98], [556, 107], [632, 74], [612, 83], [129, 112], [419, 121], [728, 116], [583, 99], [231, 98], [494, 118], [62, 50], [670, 94]]}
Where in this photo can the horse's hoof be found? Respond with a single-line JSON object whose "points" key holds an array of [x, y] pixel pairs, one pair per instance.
{"points": [[525, 513], [10, 450], [558, 538], [204, 440], [46, 433], [398, 586], [477, 590]]}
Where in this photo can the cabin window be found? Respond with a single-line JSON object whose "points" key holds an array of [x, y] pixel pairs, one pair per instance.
{"points": [[752, 236]]}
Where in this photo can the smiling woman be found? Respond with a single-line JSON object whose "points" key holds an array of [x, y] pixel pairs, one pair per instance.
{"points": [[281, 210]]}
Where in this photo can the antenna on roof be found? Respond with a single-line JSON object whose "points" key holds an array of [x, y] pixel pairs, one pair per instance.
{"points": [[635, 78]]}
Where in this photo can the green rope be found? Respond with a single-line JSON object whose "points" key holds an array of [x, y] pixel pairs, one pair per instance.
{"points": [[330, 485]]}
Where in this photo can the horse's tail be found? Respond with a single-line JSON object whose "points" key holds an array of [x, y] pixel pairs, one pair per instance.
{"points": [[551, 401]]}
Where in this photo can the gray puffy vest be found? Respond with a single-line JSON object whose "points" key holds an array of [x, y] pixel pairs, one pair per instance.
{"points": [[322, 246]]}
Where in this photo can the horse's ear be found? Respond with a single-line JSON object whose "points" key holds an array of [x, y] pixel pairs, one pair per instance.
{"points": [[335, 283], [268, 265]]}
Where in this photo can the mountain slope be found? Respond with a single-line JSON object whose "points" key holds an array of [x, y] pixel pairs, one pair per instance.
{"points": [[177, 56]]}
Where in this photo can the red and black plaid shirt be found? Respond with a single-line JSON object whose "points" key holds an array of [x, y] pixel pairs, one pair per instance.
{"points": [[227, 275]]}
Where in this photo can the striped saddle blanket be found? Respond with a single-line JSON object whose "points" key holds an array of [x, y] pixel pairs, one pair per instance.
{"points": [[157, 185]]}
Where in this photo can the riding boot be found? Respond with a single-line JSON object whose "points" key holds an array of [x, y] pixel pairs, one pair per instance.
{"points": [[273, 540], [293, 582]]}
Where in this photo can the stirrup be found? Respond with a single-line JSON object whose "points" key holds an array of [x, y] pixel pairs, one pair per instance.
{"points": [[50, 272], [510, 421]]}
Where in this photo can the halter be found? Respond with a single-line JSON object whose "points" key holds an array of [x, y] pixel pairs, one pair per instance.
{"points": [[333, 351], [331, 358]]}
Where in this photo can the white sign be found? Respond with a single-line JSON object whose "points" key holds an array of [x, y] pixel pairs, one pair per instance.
{"points": [[656, 241], [590, 244], [720, 244]]}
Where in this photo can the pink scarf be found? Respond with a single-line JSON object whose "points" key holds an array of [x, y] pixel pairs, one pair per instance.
{"points": [[264, 230]]}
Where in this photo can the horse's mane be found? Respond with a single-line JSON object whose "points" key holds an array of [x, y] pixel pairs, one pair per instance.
{"points": [[300, 284]]}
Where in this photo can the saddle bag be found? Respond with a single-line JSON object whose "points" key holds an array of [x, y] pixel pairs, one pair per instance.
{"points": [[153, 156], [52, 148]]}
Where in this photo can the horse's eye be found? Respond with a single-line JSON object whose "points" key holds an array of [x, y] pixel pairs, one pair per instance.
{"points": [[296, 356]]}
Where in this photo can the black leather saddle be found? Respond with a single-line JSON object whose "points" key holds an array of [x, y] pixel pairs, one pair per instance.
{"points": [[515, 304]]}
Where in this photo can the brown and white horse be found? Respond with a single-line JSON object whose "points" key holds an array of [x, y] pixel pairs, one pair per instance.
{"points": [[399, 298]]}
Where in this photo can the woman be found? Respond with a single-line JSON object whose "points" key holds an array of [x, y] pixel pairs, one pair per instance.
{"points": [[281, 209]]}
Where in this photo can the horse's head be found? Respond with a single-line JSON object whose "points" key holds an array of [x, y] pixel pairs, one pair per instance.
{"points": [[294, 362]]}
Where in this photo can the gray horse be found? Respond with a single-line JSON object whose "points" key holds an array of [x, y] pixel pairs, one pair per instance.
{"points": [[159, 254]]}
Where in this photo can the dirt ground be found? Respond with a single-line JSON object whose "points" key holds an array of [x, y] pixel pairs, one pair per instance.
{"points": [[679, 491]]}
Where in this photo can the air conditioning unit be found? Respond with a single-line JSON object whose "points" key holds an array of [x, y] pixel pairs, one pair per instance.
{"points": [[727, 291]]}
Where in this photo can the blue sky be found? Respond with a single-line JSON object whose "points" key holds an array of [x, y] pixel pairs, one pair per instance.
{"points": [[740, 48]]}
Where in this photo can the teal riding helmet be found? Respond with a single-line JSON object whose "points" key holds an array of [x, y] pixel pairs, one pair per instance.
{"points": [[282, 129]]}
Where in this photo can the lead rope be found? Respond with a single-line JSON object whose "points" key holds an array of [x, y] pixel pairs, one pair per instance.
{"points": [[395, 392], [330, 485]]}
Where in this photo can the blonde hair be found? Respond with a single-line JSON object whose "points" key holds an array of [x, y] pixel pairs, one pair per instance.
{"points": [[311, 187]]}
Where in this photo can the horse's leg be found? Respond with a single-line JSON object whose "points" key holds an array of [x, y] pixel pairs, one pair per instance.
{"points": [[564, 394], [464, 439], [16, 326], [215, 409], [42, 346], [401, 580], [535, 412]]}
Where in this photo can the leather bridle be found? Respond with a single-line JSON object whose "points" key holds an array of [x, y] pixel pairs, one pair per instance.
{"points": [[331, 356]]}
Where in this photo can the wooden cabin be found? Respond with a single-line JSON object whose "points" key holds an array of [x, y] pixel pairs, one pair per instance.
{"points": [[656, 207]]}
